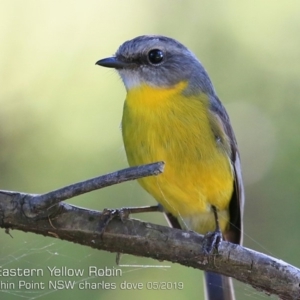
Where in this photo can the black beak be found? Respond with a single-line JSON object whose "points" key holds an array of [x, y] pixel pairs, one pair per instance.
{"points": [[113, 62]]}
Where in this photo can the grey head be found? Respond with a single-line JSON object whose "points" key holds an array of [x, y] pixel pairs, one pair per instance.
{"points": [[159, 61]]}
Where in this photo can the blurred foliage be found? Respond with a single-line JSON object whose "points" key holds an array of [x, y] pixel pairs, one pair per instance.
{"points": [[60, 115]]}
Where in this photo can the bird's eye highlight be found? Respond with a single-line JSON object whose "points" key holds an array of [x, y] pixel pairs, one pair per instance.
{"points": [[155, 56]]}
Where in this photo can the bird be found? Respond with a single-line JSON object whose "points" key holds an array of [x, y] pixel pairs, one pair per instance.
{"points": [[172, 113]]}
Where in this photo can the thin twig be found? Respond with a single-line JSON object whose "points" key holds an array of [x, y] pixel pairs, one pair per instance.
{"points": [[41, 205]]}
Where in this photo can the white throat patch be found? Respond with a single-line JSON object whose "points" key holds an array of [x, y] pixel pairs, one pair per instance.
{"points": [[130, 78]]}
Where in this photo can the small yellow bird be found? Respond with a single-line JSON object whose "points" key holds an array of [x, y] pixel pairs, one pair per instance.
{"points": [[172, 114]]}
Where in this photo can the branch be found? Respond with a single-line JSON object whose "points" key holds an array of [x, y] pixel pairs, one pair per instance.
{"points": [[67, 222]]}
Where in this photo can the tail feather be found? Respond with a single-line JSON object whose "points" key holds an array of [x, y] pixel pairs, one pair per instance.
{"points": [[218, 287]]}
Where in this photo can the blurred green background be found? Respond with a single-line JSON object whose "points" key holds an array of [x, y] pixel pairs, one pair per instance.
{"points": [[60, 116]]}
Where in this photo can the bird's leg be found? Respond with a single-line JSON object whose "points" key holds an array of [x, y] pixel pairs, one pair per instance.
{"points": [[142, 209], [212, 239]]}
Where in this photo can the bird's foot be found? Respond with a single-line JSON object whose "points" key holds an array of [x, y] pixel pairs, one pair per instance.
{"points": [[211, 241], [108, 215], [123, 214]]}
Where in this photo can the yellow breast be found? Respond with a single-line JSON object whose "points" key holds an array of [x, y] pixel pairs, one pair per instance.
{"points": [[165, 125]]}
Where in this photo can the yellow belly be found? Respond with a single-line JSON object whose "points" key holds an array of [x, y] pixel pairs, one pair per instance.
{"points": [[163, 125]]}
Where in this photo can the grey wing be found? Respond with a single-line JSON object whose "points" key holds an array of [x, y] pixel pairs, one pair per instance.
{"points": [[236, 206]]}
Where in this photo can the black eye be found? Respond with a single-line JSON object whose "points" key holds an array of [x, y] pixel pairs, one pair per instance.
{"points": [[155, 56]]}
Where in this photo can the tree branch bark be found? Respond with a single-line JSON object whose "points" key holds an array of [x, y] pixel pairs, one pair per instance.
{"points": [[47, 215]]}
